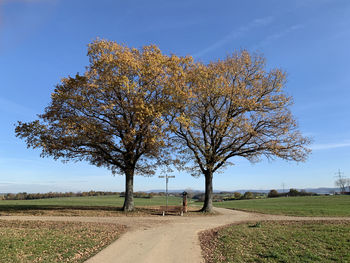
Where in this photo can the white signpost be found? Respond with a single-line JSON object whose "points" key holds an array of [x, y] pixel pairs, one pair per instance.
{"points": [[166, 186]]}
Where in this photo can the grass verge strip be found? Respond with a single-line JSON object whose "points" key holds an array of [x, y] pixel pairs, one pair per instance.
{"points": [[271, 241], [36, 241]]}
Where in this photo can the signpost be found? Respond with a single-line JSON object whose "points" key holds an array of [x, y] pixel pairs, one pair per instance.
{"points": [[166, 186]]}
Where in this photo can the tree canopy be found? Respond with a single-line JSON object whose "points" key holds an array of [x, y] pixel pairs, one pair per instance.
{"points": [[133, 108], [114, 114], [236, 108]]}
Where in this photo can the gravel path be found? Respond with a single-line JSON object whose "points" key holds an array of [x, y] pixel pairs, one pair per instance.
{"points": [[163, 239]]}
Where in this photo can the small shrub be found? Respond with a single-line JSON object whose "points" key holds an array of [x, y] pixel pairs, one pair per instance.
{"points": [[257, 224]]}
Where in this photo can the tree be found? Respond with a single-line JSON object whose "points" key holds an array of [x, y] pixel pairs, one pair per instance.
{"points": [[341, 183], [273, 193], [190, 192], [114, 114], [236, 108], [248, 195], [237, 195], [293, 192]]}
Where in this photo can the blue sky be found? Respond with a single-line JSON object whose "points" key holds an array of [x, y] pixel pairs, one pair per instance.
{"points": [[42, 41]]}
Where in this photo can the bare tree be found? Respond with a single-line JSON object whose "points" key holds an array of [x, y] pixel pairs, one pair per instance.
{"points": [[341, 181], [348, 183]]}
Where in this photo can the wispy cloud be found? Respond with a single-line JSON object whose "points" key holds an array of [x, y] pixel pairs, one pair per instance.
{"points": [[27, 1], [6, 160], [42, 186], [236, 33], [173, 25], [327, 146], [9, 106], [17, 27], [279, 34], [34, 187], [43, 182]]}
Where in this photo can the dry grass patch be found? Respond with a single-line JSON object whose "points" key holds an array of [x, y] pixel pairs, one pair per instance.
{"points": [[90, 211], [37, 241]]}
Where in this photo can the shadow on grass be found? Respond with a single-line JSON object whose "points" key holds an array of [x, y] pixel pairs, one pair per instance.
{"points": [[90, 211], [55, 209], [19, 208]]}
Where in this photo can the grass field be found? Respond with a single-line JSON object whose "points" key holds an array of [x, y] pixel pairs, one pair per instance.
{"points": [[108, 200], [108, 205], [22, 241], [295, 206], [278, 242], [82, 206]]}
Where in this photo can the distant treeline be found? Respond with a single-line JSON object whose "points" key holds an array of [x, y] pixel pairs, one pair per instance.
{"points": [[26, 196], [140, 195], [222, 196], [227, 196], [292, 192]]}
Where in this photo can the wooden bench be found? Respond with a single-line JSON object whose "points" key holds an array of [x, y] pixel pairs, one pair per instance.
{"points": [[172, 208]]}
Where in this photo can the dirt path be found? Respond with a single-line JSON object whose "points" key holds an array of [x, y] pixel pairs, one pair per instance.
{"points": [[163, 239]]}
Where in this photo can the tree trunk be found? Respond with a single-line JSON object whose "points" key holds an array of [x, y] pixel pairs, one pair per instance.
{"points": [[208, 201], [129, 191]]}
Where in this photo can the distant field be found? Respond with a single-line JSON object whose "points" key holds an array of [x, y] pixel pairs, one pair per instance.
{"points": [[35, 241], [81, 206], [296, 206], [278, 242]]}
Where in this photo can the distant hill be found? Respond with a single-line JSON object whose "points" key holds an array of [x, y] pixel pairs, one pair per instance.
{"points": [[320, 190]]}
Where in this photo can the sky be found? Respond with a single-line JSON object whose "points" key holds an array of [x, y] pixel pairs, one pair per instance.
{"points": [[42, 41]]}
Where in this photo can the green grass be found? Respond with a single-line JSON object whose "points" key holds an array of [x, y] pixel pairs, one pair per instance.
{"points": [[279, 242], [295, 206], [81, 206], [31, 241], [108, 200]]}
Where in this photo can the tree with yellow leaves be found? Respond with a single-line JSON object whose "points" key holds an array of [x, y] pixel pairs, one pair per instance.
{"points": [[114, 114], [236, 108]]}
